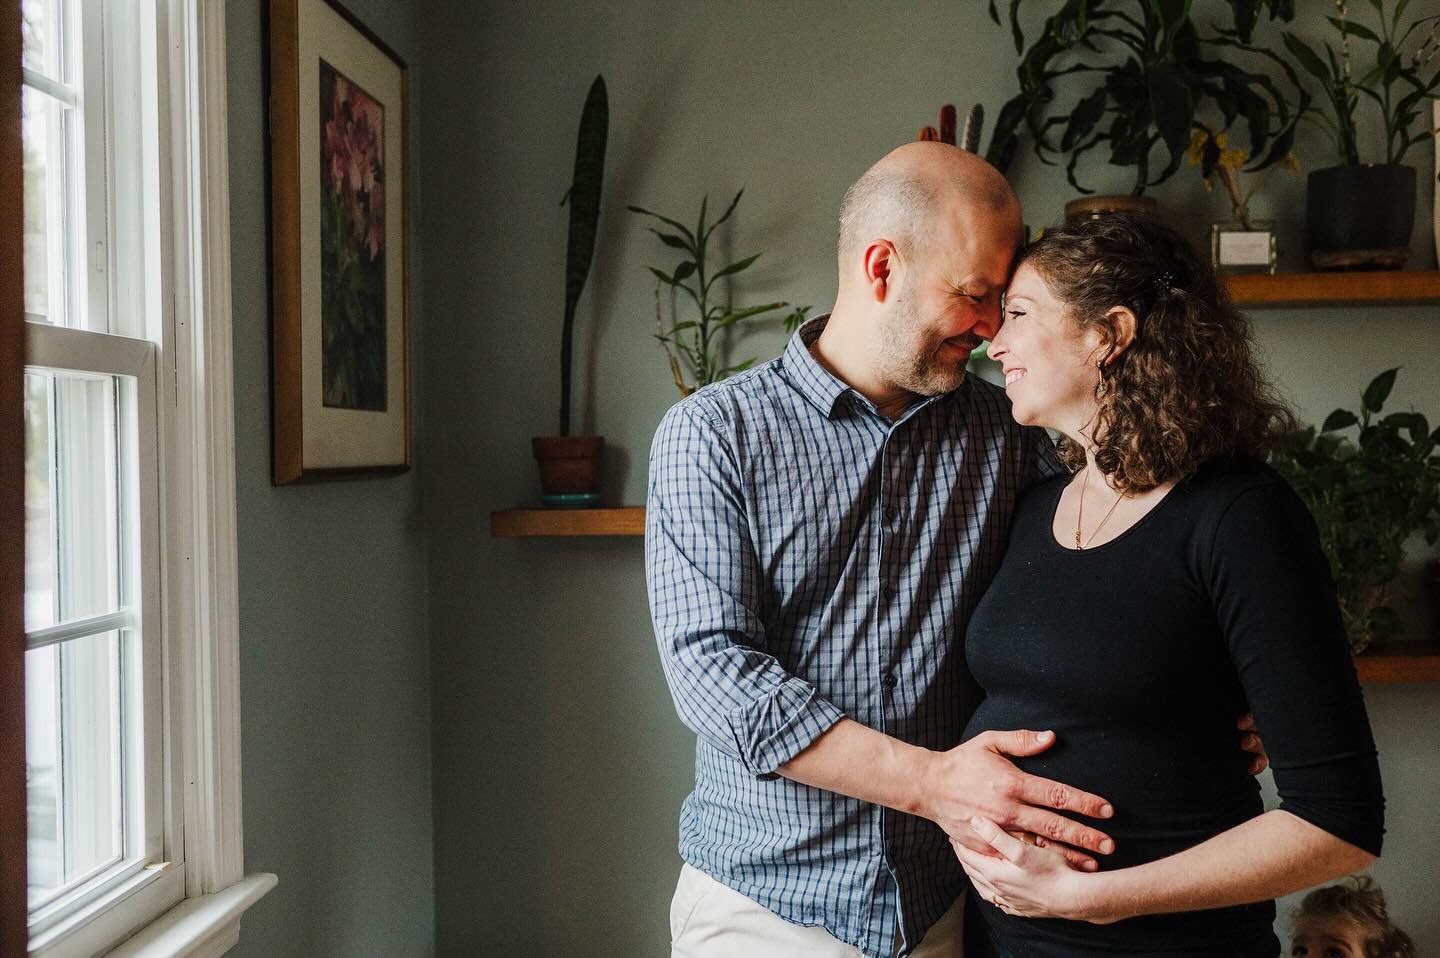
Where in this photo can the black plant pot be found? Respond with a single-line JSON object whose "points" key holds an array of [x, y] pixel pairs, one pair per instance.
{"points": [[1360, 217]]}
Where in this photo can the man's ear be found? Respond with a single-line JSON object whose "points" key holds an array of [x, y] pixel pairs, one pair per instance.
{"points": [[1122, 328], [881, 265]]}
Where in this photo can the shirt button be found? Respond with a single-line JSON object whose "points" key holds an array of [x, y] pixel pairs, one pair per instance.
{"points": [[889, 680], [888, 590], [892, 512]]}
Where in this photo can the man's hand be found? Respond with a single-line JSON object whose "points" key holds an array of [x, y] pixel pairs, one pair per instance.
{"points": [[975, 779], [1250, 742]]}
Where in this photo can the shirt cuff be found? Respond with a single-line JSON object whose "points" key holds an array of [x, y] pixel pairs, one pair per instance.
{"points": [[770, 732]]}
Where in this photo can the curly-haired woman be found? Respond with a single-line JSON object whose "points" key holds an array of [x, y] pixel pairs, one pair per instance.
{"points": [[1170, 582]]}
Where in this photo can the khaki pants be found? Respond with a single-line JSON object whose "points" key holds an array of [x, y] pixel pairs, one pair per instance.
{"points": [[711, 920]]}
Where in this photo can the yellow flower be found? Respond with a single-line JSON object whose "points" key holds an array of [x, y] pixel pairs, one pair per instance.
{"points": [[1291, 161], [1234, 159], [1222, 139], [1196, 151]]}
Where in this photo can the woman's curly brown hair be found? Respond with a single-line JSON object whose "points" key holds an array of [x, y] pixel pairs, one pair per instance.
{"points": [[1189, 388], [1361, 904]]}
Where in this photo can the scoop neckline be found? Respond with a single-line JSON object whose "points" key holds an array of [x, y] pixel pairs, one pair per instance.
{"points": [[1138, 524]]}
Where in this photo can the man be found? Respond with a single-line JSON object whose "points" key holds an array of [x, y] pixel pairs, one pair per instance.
{"points": [[818, 531]]}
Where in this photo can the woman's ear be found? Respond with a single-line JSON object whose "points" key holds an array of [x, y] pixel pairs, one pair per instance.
{"points": [[1122, 328]]}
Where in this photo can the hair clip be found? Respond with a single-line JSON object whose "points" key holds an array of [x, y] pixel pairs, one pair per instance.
{"points": [[1166, 281]]}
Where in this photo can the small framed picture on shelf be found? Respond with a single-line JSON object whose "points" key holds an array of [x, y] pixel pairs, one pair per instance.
{"points": [[339, 259]]}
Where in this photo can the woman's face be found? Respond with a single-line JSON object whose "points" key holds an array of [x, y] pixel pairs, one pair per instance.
{"points": [[1049, 362], [1326, 937]]}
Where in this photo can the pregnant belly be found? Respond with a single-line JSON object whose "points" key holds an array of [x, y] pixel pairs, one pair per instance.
{"points": [[1171, 788]]}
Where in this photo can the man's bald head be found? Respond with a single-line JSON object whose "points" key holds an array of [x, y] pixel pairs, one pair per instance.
{"points": [[899, 197]]}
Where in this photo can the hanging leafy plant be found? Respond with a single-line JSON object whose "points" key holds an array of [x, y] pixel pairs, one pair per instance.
{"points": [[1142, 73]]}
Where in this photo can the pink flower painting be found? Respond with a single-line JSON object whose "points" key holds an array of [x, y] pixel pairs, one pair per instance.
{"points": [[352, 244]]}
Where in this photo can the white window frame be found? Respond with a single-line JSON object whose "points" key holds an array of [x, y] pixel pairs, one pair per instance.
{"points": [[191, 904]]}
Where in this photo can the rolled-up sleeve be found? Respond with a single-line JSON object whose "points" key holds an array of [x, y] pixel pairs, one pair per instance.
{"points": [[1275, 601], [704, 586]]}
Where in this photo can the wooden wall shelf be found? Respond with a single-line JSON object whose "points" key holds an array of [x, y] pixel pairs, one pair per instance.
{"points": [[1322, 289], [623, 521], [1400, 661]]}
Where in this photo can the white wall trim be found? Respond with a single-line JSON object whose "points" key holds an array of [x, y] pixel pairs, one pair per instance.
{"points": [[208, 627], [198, 927]]}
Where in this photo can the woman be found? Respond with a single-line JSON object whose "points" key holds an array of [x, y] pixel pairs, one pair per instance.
{"points": [[1170, 583]]}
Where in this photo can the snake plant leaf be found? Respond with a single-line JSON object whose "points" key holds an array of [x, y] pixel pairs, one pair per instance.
{"points": [[584, 201]]}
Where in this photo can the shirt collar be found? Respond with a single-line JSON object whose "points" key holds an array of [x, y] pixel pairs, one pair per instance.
{"points": [[814, 381], [820, 386]]}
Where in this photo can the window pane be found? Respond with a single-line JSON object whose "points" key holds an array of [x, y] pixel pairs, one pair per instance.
{"points": [[73, 761], [44, 208], [40, 31], [40, 539], [72, 560]]}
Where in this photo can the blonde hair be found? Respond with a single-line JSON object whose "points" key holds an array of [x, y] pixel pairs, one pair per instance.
{"points": [[1360, 903]]}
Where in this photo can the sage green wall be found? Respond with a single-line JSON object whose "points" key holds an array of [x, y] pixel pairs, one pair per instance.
{"points": [[334, 650], [559, 765]]}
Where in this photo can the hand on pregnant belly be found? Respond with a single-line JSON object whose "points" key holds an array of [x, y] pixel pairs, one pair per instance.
{"points": [[1026, 880]]}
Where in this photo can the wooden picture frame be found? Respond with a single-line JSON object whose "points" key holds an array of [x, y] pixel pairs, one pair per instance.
{"points": [[339, 246]]}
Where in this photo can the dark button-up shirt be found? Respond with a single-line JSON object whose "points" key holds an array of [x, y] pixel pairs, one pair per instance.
{"points": [[810, 559]]}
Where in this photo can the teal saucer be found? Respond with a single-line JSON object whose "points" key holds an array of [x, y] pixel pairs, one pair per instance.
{"points": [[571, 500]]}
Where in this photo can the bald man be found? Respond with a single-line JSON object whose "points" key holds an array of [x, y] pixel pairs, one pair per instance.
{"points": [[818, 531]]}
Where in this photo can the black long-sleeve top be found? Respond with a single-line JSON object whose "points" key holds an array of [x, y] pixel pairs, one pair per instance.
{"points": [[1141, 653]]}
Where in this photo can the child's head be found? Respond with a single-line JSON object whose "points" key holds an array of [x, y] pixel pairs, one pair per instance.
{"points": [[1348, 921]]}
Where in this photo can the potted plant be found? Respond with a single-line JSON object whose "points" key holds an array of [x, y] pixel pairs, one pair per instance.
{"points": [[699, 341], [1368, 495], [570, 465], [1244, 244], [1141, 73], [1360, 215]]}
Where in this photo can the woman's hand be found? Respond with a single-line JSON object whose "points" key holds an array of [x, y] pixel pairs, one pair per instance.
{"points": [[1027, 880]]}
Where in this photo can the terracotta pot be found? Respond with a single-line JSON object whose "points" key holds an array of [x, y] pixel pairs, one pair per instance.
{"points": [[1097, 207], [569, 465]]}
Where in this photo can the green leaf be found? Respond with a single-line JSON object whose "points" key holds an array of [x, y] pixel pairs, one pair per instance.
{"points": [[670, 239], [684, 270], [1354, 29], [1379, 390], [726, 215], [1339, 419], [662, 276], [1307, 57], [684, 230], [1083, 118], [736, 267]]}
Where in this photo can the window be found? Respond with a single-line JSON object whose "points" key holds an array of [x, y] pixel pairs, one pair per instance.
{"points": [[128, 482]]}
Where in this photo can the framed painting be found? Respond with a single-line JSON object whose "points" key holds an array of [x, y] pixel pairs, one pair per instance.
{"points": [[339, 264]]}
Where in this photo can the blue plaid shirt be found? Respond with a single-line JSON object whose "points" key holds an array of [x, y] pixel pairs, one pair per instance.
{"points": [[808, 559]]}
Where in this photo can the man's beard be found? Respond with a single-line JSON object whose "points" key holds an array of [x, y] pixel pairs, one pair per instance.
{"points": [[916, 368]]}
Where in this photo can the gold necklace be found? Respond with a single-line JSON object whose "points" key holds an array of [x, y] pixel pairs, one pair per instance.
{"points": [[1080, 513]]}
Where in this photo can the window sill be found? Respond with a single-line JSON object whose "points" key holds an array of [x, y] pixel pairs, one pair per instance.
{"points": [[204, 927]]}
